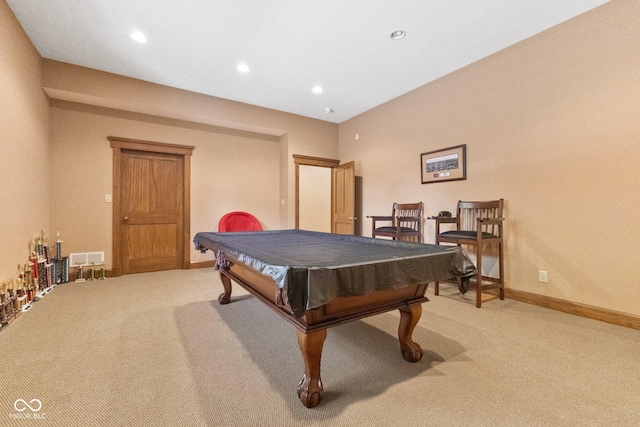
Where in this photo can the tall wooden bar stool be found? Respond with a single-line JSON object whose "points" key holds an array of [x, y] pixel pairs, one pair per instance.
{"points": [[405, 223], [476, 224]]}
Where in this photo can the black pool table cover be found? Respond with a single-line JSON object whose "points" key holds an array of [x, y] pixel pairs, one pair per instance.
{"points": [[313, 268]]}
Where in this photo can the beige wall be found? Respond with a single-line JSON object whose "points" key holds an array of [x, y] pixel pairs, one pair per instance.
{"points": [[297, 134], [552, 126], [242, 158], [24, 144], [229, 171], [314, 198]]}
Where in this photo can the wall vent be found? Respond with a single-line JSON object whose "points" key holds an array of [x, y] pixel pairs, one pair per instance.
{"points": [[86, 258]]}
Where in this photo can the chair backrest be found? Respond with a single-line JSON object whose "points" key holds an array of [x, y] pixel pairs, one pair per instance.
{"points": [[469, 212], [239, 221], [407, 215]]}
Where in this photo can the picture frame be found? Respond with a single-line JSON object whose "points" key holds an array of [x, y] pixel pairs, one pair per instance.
{"points": [[447, 164]]}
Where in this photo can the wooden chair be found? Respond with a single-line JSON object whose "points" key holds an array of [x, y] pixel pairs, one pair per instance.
{"points": [[406, 223], [476, 224], [239, 221]]}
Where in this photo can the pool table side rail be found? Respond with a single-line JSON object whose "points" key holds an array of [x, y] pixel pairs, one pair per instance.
{"points": [[337, 311]]}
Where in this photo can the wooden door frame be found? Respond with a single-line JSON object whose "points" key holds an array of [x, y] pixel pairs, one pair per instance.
{"points": [[299, 159], [119, 144]]}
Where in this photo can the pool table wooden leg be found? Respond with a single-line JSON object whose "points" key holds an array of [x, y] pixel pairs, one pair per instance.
{"points": [[225, 297], [310, 387], [409, 317]]}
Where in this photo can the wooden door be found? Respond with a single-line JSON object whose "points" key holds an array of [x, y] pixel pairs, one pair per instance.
{"points": [[343, 199], [151, 213], [151, 203]]}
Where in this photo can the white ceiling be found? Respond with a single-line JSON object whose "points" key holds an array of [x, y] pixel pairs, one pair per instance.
{"points": [[290, 45]]}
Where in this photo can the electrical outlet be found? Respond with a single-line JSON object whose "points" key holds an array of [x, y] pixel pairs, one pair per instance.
{"points": [[542, 276]]}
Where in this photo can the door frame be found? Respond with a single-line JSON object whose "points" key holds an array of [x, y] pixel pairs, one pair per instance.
{"points": [[119, 144], [299, 159]]}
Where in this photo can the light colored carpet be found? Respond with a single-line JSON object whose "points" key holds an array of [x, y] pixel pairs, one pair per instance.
{"points": [[157, 349]]}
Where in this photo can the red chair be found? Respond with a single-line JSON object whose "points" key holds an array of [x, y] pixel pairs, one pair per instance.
{"points": [[239, 221]]}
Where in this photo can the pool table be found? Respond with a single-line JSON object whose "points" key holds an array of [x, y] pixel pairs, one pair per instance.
{"points": [[318, 280]]}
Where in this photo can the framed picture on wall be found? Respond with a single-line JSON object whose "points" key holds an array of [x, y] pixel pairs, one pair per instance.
{"points": [[447, 164]]}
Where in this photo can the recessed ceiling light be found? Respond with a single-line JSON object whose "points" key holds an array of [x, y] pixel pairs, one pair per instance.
{"points": [[328, 110], [316, 89], [243, 68], [397, 35], [139, 37]]}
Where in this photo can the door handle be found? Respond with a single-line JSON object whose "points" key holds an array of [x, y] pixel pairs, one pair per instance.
{"points": [[352, 218], [126, 218]]}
